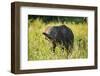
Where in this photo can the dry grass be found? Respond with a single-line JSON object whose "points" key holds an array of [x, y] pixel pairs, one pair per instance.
{"points": [[40, 49]]}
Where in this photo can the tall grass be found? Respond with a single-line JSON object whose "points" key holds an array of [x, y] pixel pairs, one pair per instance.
{"points": [[40, 49]]}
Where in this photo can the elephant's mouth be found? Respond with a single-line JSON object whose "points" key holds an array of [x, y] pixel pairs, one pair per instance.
{"points": [[47, 36]]}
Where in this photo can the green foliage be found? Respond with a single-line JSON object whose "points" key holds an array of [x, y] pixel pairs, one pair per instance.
{"points": [[62, 19], [40, 49]]}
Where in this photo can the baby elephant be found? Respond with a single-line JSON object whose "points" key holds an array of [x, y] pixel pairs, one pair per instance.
{"points": [[62, 35]]}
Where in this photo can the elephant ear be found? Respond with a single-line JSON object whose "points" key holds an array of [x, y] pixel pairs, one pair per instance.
{"points": [[47, 35]]}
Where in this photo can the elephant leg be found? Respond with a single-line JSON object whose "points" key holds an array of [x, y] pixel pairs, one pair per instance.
{"points": [[54, 46]]}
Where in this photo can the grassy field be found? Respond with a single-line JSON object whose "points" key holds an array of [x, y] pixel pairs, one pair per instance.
{"points": [[40, 49]]}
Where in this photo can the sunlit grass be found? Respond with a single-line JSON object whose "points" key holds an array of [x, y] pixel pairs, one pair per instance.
{"points": [[40, 49]]}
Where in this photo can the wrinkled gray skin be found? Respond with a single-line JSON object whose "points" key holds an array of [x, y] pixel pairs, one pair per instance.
{"points": [[60, 35]]}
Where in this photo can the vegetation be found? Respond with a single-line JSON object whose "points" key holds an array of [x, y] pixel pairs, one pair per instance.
{"points": [[40, 49]]}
